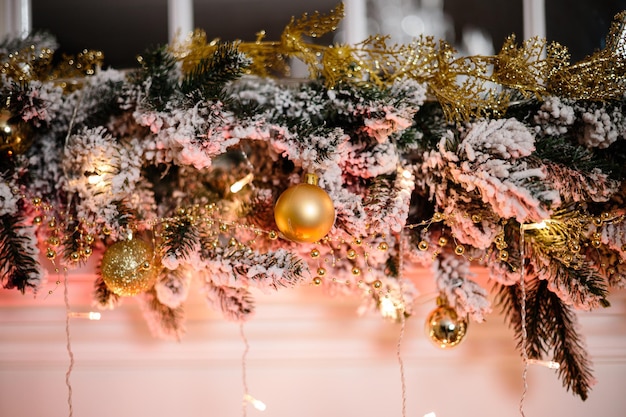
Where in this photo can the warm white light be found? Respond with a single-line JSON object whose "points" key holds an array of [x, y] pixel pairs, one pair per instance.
{"points": [[94, 179], [238, 186], [97, 177], [91, 315], [547, 364], [94, 315], [431, 414], [258, 404], [388, 308], [533, 226], [407, 174]]}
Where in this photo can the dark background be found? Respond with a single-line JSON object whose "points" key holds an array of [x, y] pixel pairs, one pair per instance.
{"points": [[123, 29]]}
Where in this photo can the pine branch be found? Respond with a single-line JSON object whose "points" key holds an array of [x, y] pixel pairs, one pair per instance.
{"points": [[274, 269], [235, 303], [163, 321], [172, 287], [158, 74], [208, 79], [18, 266], [180, 237], [509, 300], [385, 203], [521, 107], [583, 287], [124, 214], [103, 297], [105, 97], [562, 151], [409, 138], [569, 351], [550, 326], [393, 266], [40, 38], [614, 156], [71, 243], [579, 186]]}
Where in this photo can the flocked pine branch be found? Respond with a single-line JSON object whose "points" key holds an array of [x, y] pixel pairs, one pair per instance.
{"points": [[164, 321], [387, 201], [172, 287], [580, 287], [579, 186], [453, 279], [236, 304], [273, 270]]}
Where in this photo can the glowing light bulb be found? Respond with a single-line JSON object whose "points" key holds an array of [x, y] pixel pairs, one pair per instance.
{"points": [[547, 364], [534, 226], [94, 179], [258, 404], [388, 308], [407, 174], [91, 315], [238, 185], [98, 175]]}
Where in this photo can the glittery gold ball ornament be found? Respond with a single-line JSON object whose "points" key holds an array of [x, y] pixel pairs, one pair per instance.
{"points": [[127, 267], [304, 212], [444, 327], [15, 134]]}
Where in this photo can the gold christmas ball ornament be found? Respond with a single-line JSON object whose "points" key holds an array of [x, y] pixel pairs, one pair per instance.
{"points": [[127, 267], [304, 212], [15, 134], [444, 327]]}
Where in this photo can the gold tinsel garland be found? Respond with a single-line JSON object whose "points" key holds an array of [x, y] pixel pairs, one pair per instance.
{"points": [[30, 63], [464, 86]]}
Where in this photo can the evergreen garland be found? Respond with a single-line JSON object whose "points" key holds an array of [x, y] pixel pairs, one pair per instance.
{"points": [[414, 147]]}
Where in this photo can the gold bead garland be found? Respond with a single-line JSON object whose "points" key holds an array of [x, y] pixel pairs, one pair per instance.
{"points": [[356, 252]]}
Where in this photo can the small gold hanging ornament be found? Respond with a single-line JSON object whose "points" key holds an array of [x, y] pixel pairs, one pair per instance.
{"points": [[127, 267], [15, 134], [304, 212], [444, 327]]}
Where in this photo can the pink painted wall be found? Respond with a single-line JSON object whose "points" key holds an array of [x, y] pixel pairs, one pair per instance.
{"points": [[310, 356]]}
